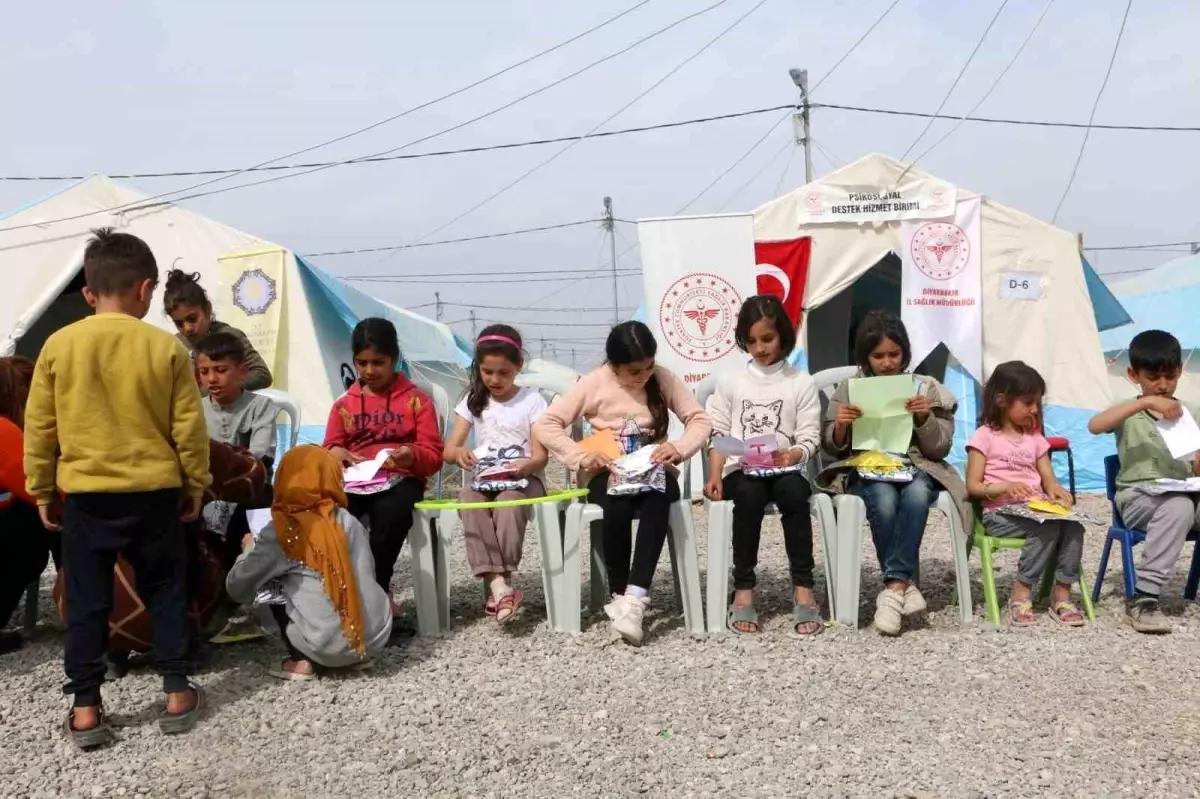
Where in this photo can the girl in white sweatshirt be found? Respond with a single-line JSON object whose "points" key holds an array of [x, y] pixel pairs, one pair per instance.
{"points": [[769, 397]]}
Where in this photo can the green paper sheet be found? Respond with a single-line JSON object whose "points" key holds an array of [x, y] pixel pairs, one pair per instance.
{"points": [[886, 425]]}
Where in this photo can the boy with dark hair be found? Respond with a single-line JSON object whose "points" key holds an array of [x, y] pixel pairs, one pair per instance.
{"points": [[1155, 364], [113, 421]]}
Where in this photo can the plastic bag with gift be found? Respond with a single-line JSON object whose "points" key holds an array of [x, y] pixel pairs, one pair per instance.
{"points": [[495, 469], [636, 474]]}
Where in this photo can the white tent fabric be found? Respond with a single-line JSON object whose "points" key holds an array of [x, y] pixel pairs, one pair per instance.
{"points": [[1057, 334], [41, 268], [547, 375]]}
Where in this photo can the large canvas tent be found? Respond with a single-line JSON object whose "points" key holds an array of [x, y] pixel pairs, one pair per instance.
{"points": [[853, 268], [40, 260]]}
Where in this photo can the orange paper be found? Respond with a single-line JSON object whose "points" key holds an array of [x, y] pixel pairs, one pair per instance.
{"points": [[603, 442]]}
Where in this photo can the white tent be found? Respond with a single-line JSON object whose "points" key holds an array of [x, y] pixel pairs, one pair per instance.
{"points": [[41, 258], [853, 268], [546, 375]]}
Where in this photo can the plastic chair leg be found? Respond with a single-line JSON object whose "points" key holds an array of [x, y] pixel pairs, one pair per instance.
{"points": [[675, 573], [720, 533], [1193, 580], [987, 576], [851, 514], [962, 566], [443, 534], [686, 566], [421, 539], [31, 606], [598, 594], [568, 612], [550, 540], [1104, 553], [1127, 564], [827, 521], [1089, 609]]}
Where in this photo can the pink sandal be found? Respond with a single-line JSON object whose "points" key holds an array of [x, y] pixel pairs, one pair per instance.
{"points": [[1020, 613], [508, 605], [1067, 614]]}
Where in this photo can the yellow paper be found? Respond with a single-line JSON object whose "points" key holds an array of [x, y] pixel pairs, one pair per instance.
{"points": [[251, 298], [875, 462], [1048, 507], [603, 442]]}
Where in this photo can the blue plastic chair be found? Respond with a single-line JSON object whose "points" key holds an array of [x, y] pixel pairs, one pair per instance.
{"points": [[1119, 532]]}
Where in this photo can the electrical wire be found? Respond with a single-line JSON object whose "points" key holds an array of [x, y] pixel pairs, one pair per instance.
{"points": [[954, 85], [1112, 59], [434, 277], [530, 172], [146, 202], [786, 169], [480, 237], [832, 158], [529, 309], [1144, 246], [790, 144], [854, 46], [991, 88], [1006, 121]]}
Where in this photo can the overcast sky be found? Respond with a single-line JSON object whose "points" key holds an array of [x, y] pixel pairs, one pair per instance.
{"points": [[144, 86]]}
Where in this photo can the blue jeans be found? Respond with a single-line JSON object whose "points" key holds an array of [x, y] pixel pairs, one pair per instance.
{"points": [[897, 514]]}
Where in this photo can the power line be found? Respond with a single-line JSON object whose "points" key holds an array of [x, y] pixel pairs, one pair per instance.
{"points": [[1112, 59], [480, 237], [1002, 121], [440, 279], [141, 204], [957, 78], [1144, 246], [854, 46], [385, 278], [528, 309], [790, 144], [530, 172]]}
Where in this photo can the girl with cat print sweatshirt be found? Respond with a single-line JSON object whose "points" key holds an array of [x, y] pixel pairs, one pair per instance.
{"points": [[769, 397]]}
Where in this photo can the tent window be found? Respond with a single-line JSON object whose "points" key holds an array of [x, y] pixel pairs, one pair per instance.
{"points": [[833, 326]]}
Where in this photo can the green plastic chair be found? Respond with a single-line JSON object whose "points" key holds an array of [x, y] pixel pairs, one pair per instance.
{"points": [[989, 544], [431, 551]]}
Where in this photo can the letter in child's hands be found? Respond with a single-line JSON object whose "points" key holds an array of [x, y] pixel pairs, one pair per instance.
{"points": [[1163, 407], [847, 413], [595, 461], [51, 515], [1061, 496], [189, 509], [919, 407], [465, 458], [788, 457], [402, 458], [345, 456], [665, 454], [714, 489]]}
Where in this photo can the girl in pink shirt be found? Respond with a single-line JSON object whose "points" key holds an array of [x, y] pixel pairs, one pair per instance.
{"points": [[1008, 463]]}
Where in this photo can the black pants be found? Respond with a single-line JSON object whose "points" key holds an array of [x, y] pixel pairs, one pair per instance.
{"points": [[26, 545], [655, 512], [390, 516], [281, 618], [146, 529], [750, 495]]}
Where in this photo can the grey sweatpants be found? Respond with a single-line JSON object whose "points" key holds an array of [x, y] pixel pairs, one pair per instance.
{"points": [[1166, 519], [1043, 540]]}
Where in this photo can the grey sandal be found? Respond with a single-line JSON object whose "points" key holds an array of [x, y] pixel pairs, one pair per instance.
{"points": [[179, 723], [806, 614], [743, 615], [89, 739]]}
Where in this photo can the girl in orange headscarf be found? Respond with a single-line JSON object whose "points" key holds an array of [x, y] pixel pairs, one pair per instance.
{"points": [[317, 557]]}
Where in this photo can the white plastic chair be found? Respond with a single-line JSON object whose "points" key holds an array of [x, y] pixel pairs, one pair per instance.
{"points": [[851, 515], [720, 536], [289, 407]]}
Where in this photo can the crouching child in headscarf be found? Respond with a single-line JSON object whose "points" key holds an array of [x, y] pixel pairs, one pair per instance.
{"points": [[312, 569]]}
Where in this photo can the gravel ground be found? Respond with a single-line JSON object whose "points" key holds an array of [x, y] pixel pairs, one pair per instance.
{"points": [[523, 711]]}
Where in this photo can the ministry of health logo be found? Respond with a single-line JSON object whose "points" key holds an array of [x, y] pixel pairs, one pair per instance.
{"points": [[940, 249], [254, 292], [698, 313]]}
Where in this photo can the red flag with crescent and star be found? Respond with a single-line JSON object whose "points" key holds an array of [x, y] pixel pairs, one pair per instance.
{"points": [[782, 268]]}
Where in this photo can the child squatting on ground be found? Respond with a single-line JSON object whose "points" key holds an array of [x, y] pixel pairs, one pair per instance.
{"points": [[502, 414], [769, 396], [1155, 364], [114, 422], [629, 397], [1008, 462]]}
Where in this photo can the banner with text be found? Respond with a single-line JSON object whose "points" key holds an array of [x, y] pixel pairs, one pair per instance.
{"points": [[940, 286], [695, 272], [915, 198], [251, 298]]}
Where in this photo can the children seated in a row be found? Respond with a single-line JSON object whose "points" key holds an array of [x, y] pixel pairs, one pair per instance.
{"points": [[1008, 462], [187, 303], [502, 415], [769, 396], [1155, 366], [629, 396], [897, 507]]}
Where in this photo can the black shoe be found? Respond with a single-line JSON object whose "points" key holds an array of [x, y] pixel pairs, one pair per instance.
{"points": [[117, 666], [10, 641]]}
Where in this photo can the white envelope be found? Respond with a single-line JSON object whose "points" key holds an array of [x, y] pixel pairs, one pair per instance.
{"points": [[366, 471]]}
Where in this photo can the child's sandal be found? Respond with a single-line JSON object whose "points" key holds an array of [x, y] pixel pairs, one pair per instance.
{"points": [[1067, 614], [1020, 613], [506, 606]]}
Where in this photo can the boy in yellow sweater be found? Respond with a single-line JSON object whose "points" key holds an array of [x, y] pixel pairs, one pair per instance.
{"points": [[114, 422]]}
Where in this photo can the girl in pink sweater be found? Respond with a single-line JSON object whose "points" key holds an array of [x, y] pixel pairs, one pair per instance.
{"points": [[628, 397]]}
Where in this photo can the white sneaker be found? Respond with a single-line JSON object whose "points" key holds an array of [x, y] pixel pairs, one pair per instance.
{"points": [[913, 601], [629, 626], [889, 611], [616, 609]]}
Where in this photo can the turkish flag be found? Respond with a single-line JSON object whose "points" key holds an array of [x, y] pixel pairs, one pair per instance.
{"points": [[782, 268]]}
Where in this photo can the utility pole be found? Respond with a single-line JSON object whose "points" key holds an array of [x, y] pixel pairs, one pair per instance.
{"points": [[572, 357], [609, 224], [1195, 247], [437, 302], [800, 120], [472, 325]]}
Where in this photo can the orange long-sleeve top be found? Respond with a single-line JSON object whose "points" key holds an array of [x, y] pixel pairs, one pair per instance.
{"points": [[12, 453]]}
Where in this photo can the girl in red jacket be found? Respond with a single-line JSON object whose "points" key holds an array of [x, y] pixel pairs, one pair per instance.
{"points": [[384, 410]]}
